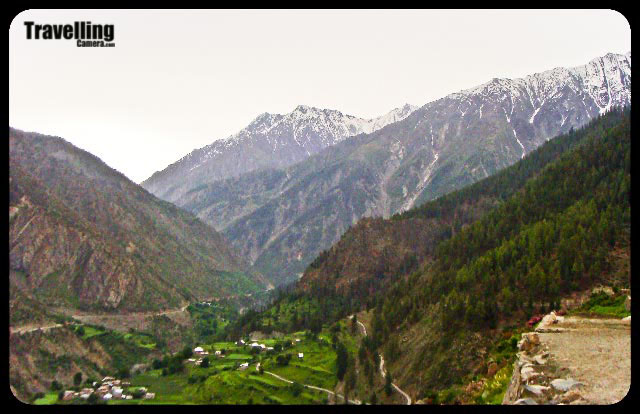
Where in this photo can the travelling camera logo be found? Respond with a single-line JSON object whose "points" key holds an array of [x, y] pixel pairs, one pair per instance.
{"points": [[86, 34]]}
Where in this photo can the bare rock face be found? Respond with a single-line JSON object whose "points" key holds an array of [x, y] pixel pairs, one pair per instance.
{"points": [[525, 401], [537, 390], [565, 384], [529, 341]]}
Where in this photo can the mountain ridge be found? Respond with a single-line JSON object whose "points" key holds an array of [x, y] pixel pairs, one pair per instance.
{"points": [[84, 235], [269, 141]]}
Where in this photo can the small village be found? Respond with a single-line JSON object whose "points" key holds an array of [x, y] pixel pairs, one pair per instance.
{"points": [[200, 353], [109, 388]]}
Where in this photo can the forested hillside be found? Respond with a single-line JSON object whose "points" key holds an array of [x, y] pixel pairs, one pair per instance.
{"points": [[375, 251], [560, 219]]}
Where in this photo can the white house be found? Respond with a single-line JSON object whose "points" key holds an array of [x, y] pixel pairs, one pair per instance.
{"points": [[218, 352], [107, 396], [198, 350], [300, 355], [255, 345], [243, 366], [117, 392]]}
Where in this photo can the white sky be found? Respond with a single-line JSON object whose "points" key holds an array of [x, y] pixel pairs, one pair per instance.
{"points": [[178, 80]]}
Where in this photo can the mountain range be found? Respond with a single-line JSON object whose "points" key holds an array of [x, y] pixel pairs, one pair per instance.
{"points": [[82, 235], [269, 141], [281, 218]]}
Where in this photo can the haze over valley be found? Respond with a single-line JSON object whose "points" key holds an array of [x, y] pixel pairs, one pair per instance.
{"points": [[361, 215]]}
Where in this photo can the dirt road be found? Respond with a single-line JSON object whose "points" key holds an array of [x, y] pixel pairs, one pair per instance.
{"points": [[596, 352], [382, 371], [357, 402], [30, 328], [384, 374]]}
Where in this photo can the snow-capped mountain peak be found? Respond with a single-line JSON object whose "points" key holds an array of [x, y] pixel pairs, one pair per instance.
{"points": [[606, 80], [272, 140]]}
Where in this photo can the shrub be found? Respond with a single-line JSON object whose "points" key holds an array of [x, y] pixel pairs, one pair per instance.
{"points": [[156, 364], [283, 360], [55, 386], [77, 379], [296, 389], [124, 373], [137, 394], [187, 352]]}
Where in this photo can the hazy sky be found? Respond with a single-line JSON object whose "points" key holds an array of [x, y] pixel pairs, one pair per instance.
{"points": [[176, 81]]}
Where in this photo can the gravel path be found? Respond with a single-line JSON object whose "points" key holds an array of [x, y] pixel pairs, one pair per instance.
{"points": [[596, 352]]}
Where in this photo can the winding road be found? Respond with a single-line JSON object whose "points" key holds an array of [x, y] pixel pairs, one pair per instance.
{"points": [[86, 318], [384, 374], [382, 371], [24, 329], [357, 402]]}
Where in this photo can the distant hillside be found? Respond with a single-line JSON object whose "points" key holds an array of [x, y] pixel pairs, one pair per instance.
{"points": [[83, 235]]}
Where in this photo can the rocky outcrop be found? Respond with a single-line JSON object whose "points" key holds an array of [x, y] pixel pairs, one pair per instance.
{"points": [[532, 382]]}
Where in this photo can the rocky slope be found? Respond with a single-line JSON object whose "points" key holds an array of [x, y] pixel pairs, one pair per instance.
{"points": [[270, 140], [82, 235], [282, 218]]}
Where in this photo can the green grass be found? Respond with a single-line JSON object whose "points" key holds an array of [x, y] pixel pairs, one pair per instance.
{"points": [[141, 340], [222, 383], [224, 387], [493, 391], [604, 305], [90, 332], [238, 356], [48, 399], [318, 367]]}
